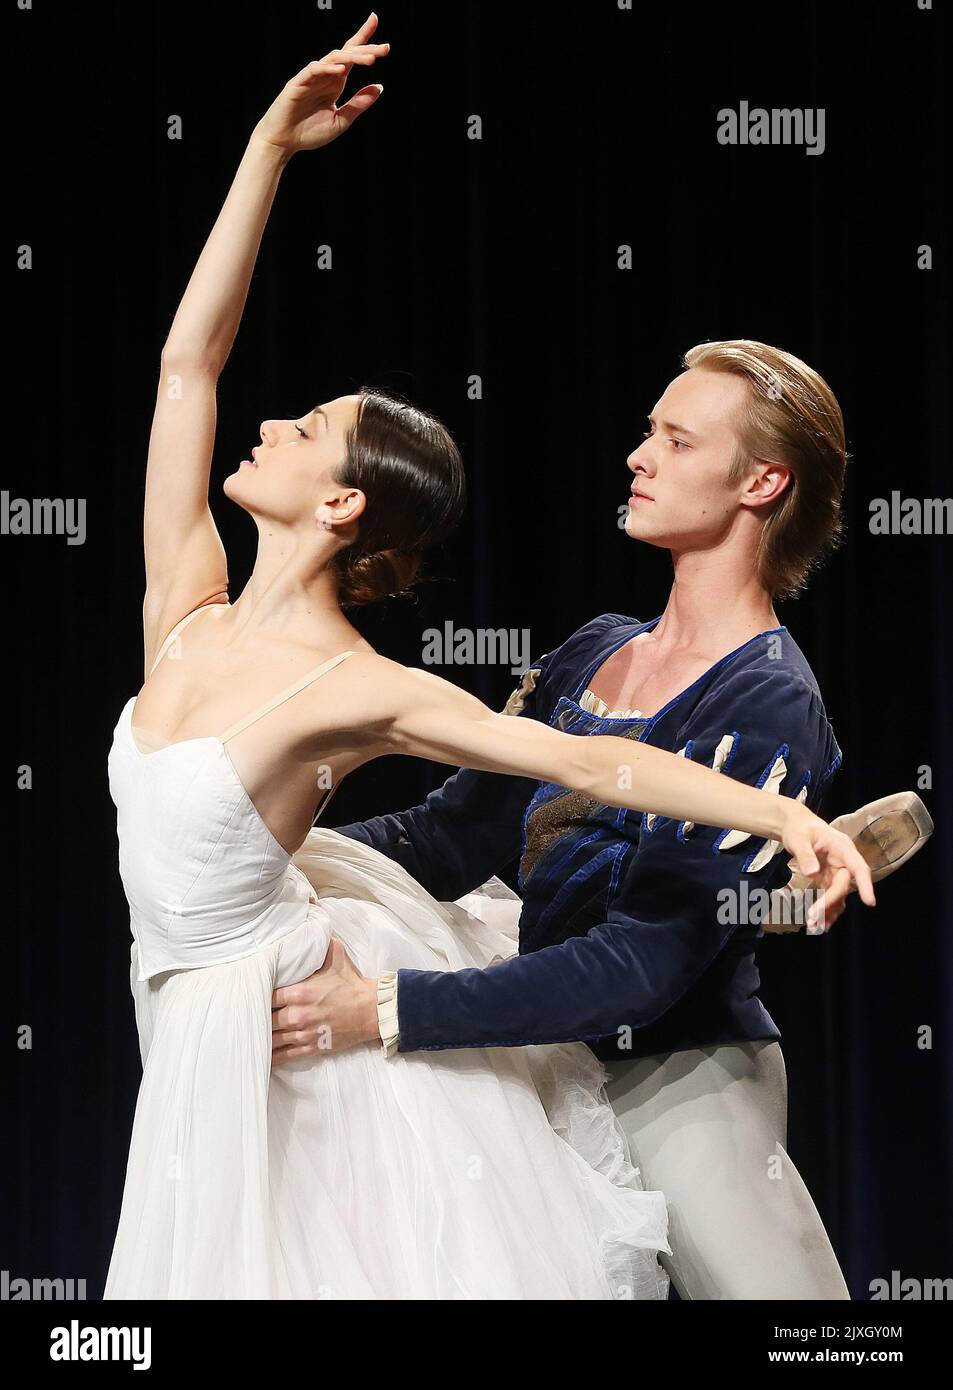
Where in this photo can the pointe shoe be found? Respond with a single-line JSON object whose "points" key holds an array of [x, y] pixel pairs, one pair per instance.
{"points": [[887, 832]]}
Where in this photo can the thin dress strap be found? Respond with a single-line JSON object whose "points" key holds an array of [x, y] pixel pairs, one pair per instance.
{"points": [[180, 627], [283, 695]]}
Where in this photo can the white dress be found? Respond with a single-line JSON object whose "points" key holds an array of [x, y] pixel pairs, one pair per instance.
{"points": [[466, 1174]]}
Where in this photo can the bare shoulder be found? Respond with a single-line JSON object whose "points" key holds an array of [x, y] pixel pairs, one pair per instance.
{"points": [[369, 706], [377, 691]]}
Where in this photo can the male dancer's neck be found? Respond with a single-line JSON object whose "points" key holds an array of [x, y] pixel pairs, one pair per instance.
{"points": [[715, 606]]}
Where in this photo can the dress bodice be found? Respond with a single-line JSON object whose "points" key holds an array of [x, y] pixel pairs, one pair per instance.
{"points": [[206, 880]]}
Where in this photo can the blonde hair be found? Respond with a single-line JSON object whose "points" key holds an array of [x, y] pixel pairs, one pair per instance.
{"points": [[791, 418]]}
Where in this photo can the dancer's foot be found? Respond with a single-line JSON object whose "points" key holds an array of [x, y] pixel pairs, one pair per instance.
{"points": [[887, 832]]}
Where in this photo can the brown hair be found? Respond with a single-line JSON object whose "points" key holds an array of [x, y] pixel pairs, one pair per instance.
{"points": [[411, 473], [791, 418]]}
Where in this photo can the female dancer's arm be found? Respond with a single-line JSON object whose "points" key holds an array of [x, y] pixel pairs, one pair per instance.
{"points": [[664, 926], [185, 559], [433, 719]]}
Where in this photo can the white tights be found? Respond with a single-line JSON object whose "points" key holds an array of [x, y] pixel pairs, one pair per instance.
{"points": [[707, 1127]]}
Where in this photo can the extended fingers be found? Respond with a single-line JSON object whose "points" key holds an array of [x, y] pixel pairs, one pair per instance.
{"points": [[802, 850], [843, 851], [340, 60], [860, 869], [361, 101], [344, 57], [830, 900], [841, 855], [365, 31]]}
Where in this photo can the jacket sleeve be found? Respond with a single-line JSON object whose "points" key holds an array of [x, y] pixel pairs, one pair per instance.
{"points": [[466, 830], [685, 891]]}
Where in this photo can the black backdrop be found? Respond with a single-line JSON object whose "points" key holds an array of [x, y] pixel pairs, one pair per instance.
{"points": [[498, 257]]}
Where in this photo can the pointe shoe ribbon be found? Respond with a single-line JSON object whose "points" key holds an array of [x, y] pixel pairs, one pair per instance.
{"points": [[887, 832]]}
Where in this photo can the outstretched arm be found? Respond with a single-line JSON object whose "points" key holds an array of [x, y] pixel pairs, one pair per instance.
{"points": [[666, 927], [684, 891], [434, 719], [185, 560]]}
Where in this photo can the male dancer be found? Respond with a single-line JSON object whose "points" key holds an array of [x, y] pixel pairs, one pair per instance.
{"points": [[636, 933]]}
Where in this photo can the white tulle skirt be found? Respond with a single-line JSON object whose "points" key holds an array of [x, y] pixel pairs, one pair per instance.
{"points": [[468, 1174]]}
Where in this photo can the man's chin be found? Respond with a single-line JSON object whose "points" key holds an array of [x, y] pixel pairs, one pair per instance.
{"points": [[636, 529]]}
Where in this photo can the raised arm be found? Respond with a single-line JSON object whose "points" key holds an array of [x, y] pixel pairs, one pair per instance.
{"points": [[184, 557]]}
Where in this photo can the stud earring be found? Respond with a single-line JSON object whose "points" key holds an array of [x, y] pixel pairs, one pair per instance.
{"points": [[328, 526]]}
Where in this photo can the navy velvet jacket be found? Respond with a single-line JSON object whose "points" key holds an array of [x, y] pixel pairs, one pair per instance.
{"points": [[627, 938]]}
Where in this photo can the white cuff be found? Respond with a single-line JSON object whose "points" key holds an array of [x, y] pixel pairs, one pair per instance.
{"points": [[387, 1012]]}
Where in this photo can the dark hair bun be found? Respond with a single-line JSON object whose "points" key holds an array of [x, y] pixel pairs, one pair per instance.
{"points": [[369, 578], [410, 471]]}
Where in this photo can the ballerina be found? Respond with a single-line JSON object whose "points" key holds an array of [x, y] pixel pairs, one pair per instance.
{"points": [[502, 1174]]}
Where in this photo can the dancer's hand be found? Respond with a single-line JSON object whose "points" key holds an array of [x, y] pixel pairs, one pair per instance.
{"points": [[332, 1009], [305, 114], [828, 858]]}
